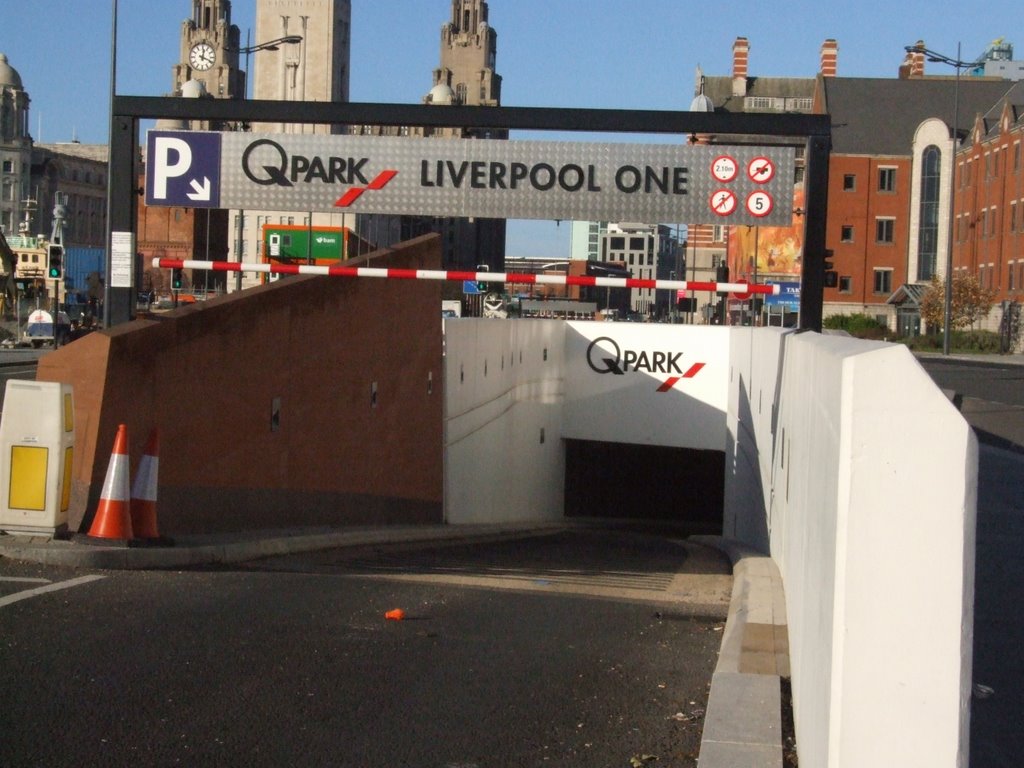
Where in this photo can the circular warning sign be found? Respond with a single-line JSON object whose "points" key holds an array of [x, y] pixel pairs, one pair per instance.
{"points": [[759, 204], [761, 169], [742, 295], [723, 202], [725, 168]]}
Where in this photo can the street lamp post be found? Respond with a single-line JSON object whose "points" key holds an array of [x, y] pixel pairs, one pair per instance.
{"points": [[248, 50], [269, 45], [958, 65]]}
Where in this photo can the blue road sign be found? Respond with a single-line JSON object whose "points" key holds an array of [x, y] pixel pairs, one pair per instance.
{"points": [[183, 168], [789, 295], [470, 286]]}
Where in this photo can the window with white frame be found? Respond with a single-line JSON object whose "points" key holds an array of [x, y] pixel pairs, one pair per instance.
{"points": [[885, 230], [883, 281], [886, 179]]}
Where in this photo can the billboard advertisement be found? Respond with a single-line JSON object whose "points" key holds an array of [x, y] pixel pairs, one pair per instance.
{"points": [[777, 251]]}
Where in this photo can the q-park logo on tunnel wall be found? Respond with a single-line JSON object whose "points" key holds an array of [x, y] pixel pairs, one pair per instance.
{"points": [[605, 356]]}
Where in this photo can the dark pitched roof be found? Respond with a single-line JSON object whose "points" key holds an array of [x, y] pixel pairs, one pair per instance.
{"points": [[878, 116], [719, 90]]}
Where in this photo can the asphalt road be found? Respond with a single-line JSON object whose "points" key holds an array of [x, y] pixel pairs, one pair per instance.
{"points": [[987, 378], [991, 394], [571, 650]]}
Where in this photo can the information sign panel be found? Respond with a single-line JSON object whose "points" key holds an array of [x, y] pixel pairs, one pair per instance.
{"points": [[651, 183]]}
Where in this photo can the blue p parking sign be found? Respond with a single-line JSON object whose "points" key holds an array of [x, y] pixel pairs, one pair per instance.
{"points": [[183, 169]]}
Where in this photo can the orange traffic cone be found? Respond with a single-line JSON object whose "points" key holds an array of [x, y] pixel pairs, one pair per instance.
{"points": [[113, 516], [143, 506], [396, 614]]}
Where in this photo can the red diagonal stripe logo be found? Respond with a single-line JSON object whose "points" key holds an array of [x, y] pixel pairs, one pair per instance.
{"points": [[673, 380], [694, 370], [382, 179], [379, 182]]}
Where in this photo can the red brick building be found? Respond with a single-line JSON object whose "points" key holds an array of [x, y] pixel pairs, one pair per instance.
{"points": [[988, 238], [889, 181]]}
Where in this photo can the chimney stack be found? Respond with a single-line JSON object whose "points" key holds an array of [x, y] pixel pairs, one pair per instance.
{"points": [[913, 64], [829, 58], [740, 56]]}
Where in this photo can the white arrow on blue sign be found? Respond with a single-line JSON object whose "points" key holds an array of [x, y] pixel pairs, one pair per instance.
{"points": [[183, 169]]}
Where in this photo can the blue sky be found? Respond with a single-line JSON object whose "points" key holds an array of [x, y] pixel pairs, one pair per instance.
{"points": [[566, 53]]}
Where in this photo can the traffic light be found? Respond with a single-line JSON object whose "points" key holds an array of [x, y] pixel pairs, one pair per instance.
{"points": [[176, 279], [722, 274], [482, 285], [831, 276], [56, 266]]}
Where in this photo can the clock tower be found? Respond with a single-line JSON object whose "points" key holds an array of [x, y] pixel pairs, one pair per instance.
{"points": [[209, 53]]}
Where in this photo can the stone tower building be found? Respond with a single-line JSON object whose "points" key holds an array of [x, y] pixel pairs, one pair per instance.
{"points": [[469, 49], [317, 69], [15, 147]]}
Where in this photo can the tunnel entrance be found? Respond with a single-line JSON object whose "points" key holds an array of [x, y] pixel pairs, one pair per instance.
{"points": [[644, 482]]}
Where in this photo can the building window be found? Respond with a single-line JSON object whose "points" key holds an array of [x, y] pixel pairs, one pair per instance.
{"points": [[884, 230], [718, 234], [883, 281], [928, 232], [8, 166], [1013, 215], [618, 244], [886, 179], [1011, 281], [992, 221], [849, 182], [845, 284], [1016, 155], [846, 233], [636, 243]]}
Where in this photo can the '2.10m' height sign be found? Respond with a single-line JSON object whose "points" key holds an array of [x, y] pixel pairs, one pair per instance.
{"points": [[650, 183]]}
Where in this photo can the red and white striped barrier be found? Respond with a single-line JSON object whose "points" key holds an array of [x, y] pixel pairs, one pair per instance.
{"points": [[741, 289]]}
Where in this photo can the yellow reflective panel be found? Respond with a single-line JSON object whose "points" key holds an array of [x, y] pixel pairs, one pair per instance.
{"points": [[69, 413], [65, 493], [28, 478]]}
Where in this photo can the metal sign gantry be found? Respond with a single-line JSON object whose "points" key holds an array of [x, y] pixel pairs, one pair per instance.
{"points": [[814, 131]]}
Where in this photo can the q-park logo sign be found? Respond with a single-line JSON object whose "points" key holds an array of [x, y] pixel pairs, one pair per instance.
{"points": [[605, 356]]}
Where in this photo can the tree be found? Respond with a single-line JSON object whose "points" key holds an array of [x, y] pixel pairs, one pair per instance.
{"points": [[971, 301]]}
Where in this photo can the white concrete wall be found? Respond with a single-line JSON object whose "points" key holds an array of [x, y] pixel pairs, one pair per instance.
{"points": [[508, 383], [652, 401], [843, 460], [504, 394], [867, 478]]}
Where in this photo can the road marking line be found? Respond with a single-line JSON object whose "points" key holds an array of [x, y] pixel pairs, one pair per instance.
{"points": [[26, 594], [24, 580]]}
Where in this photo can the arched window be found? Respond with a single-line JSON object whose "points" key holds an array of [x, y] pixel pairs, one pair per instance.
{"points": [[928, 231]]}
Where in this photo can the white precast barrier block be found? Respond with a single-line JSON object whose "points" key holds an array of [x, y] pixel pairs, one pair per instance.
{"points": [[37, 443], [871, 495]]}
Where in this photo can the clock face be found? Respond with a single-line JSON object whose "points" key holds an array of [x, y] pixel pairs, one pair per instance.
{"points": [[202, 56]]}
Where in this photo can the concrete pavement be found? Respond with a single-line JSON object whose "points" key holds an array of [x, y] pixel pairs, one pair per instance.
{"points": [[743, 723]]}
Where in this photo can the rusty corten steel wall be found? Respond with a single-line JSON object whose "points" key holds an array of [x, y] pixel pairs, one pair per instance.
{"points": [[208, 375]]}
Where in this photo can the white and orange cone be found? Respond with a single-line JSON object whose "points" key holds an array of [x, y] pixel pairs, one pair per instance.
{"points": [[143, 506], [113, 518]]}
